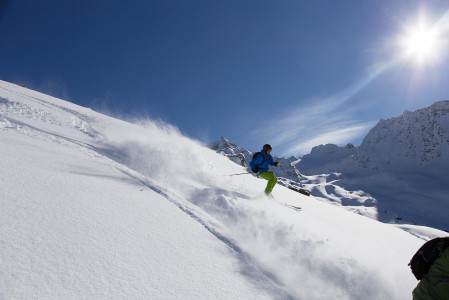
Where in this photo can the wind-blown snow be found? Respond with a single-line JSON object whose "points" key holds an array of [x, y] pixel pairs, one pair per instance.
{"points": [[92, 207]]}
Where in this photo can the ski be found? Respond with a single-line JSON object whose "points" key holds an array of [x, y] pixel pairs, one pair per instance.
{"points": [[294, 207]]}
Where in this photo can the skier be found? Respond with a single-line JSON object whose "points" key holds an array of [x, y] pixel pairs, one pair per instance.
{"points": [[260, 164], [435, 284]]}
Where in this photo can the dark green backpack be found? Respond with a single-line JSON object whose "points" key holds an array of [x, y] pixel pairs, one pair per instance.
{"points": [[426, 255]]}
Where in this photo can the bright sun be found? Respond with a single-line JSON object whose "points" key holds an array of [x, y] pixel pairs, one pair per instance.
{"points": [[421, 44]]}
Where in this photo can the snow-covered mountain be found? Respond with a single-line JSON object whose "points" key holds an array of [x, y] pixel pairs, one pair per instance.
{"points": [[402, 163], [92, 207], [414, 141], [397, 175]]}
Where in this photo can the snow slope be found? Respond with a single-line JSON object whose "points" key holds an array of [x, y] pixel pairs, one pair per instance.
{"points": [[93, 207]]}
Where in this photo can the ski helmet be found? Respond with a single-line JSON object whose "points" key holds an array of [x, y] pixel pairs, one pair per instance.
{"points": [[266, 147]]}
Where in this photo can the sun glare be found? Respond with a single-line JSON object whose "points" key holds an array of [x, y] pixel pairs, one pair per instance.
{"points": [[421, 43]]}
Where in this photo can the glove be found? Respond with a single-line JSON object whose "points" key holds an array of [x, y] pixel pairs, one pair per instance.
{"points": [[255, 169], [276, 163]]}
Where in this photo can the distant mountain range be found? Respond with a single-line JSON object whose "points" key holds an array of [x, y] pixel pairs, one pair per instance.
{"points": [[397, 175]]}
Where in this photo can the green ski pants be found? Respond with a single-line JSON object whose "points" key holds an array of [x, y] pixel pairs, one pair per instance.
{"points": [[272, 180]]}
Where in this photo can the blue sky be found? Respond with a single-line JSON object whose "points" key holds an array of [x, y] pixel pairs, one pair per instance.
{"points": [[294, 74]]}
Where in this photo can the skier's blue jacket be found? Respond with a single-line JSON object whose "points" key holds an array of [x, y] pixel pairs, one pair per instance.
{"points": [[263, 161]]}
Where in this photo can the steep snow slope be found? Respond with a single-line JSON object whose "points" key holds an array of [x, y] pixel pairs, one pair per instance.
{"points": [[94, 207], [76, 225]]}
